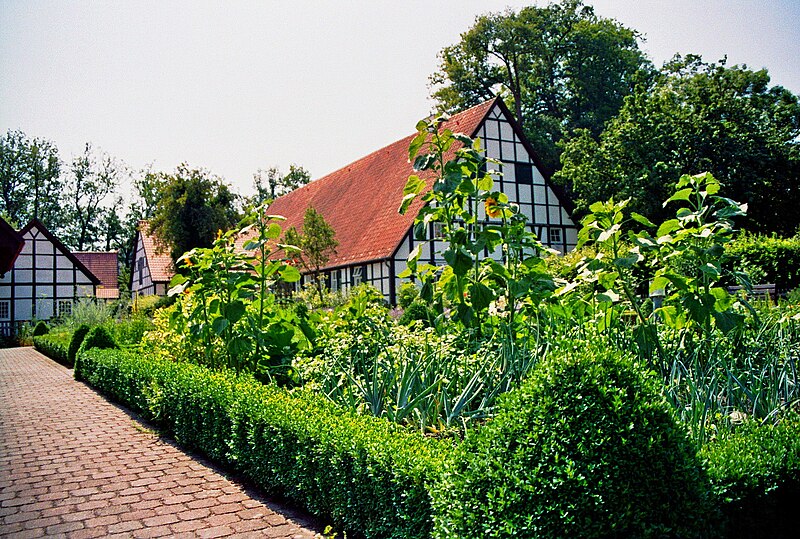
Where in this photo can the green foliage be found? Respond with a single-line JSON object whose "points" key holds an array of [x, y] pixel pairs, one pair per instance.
{"points": [[314, 246], [694, 117], [417, 311], [699, 233], [560, 66], [755, 473], [585, 448], [438, 384], [30, 184], [91, 209], [463, 190], [192, 206], [766, 259], [226, 305], [365, 473], [76, 341], [90, 312], [55, 346], [272, 183], [41, 328], [407, 294], [97, 337]]}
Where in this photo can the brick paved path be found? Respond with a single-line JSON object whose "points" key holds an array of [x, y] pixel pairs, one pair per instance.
{"points": [[74, 465]]}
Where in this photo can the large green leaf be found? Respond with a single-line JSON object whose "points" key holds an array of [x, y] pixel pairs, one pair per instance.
{"points": [[290, 274], [480, 295], [682, 194], [458, 259]]}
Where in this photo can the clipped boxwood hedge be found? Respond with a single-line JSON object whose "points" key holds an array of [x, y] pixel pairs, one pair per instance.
{"points": [[755, 473], [585, 448], [774, 259], [55, 346], [365, 473]]}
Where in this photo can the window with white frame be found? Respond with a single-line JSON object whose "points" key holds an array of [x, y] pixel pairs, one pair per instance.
{"points": [[64, 307], [438, 230], [5, 309], [358, 275], [554, 236], [334, 280]]}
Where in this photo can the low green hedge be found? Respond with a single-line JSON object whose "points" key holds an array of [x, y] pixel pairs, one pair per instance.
{"points": [[55, 346], [585, 448], [76, 341], [768, 259], [365, 473], [755, 473]]}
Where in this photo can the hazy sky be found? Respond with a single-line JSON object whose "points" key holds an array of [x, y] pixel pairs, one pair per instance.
{"points": [[237, 86]]}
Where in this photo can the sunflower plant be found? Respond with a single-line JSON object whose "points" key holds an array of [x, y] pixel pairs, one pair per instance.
{"points": [[227, 305], [489, 261]]}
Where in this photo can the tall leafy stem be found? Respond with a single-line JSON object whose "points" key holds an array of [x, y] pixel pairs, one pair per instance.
{"points": [[470, 281]]}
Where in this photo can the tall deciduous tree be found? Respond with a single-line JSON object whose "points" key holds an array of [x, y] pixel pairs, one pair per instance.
{"points": [[30, 184], [561, 67], [90, 188], [193, 205], [697, 117], [317, 243], [272, 183]]}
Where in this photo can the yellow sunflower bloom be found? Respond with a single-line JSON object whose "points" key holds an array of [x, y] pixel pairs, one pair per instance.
{"points": [[492, 209]]}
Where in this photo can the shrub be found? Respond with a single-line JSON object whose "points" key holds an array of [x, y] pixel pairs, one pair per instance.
{"points": [[366, 473], [767, 259], [407, 294], [755, 473], [40, 329], [97, 337], [54, 346], [75, 342], [417, 311], [585, 448]]}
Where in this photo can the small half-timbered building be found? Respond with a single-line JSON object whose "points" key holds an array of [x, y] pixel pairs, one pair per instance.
{"points": [[361, 201], [45, 281], [152, 266]]}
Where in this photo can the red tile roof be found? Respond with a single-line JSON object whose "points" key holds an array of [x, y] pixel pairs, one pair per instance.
{"points": [[103, 265], [158, 259], [361, 200]]}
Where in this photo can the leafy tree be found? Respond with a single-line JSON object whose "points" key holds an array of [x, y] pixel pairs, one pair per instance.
{"points": [[30, 185], [317, 243], [561, 67], [272, 183], [90, 189], [193, 205], [696, 117]]}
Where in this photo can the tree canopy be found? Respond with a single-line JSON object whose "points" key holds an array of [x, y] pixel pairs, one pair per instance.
{"points": [[193, 205], [30, 181], [317, 243], [90, 207], [695, 117], [561, 68], [272, 183]]}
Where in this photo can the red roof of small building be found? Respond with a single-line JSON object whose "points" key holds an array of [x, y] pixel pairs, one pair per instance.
{"points": [[361, 200], [158, 260], [103, 265]]}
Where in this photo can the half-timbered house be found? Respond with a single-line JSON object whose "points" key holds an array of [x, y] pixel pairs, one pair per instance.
{"points": [[45, 281], [361, 200], [152, 266]]}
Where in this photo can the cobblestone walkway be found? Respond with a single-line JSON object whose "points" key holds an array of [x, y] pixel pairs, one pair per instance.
{"points": [[74, 465]]}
